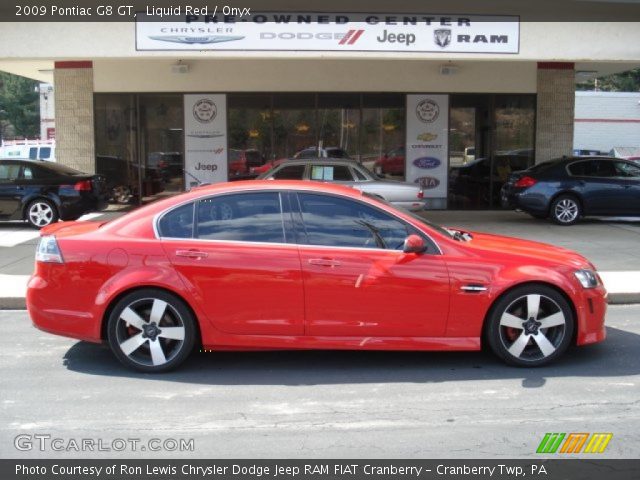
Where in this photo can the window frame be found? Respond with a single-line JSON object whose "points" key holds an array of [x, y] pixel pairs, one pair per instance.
{"points": [[432, 248], [287, 227]]}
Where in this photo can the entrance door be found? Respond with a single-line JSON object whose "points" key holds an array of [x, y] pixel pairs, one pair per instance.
{"points": [[490, 137]]}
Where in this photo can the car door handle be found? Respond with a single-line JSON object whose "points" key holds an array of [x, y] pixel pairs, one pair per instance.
{"points": [[191, 254], [324, 262]]}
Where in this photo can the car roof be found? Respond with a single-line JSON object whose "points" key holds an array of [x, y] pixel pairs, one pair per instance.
{"points": [[229, 187], [336, 161]]}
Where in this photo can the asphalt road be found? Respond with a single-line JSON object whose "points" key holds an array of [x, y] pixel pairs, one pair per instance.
{"points": [[317, 404]]}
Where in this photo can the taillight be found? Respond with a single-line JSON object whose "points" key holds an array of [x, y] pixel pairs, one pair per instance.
{"points": [[83, 186], [48, 250], [525, 182], [420, 194]]}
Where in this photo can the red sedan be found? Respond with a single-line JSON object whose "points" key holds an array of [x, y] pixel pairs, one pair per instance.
{"points": [[301, 265]]}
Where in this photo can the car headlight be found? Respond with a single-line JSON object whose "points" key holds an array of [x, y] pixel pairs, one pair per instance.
{"points": [[587, 278], [48, 250]]}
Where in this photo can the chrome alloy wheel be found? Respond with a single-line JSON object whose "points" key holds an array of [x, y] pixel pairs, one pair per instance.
{"points": [[150, 332], [566, 210], [40, 214], [532, 327]]}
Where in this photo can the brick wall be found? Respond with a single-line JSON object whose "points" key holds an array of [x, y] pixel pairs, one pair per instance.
{"points": [[555, 110], [73, 83]]}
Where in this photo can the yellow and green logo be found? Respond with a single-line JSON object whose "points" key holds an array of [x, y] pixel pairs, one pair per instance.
{"points": [[573, 442]]}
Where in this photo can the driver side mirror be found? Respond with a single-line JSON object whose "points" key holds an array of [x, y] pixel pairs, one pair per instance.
{"points": [[414, 244]]}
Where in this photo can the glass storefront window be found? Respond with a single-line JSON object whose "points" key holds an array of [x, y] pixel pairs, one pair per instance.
{"points": [[161, 145], [338, 125], [116, 145], [382, 146], [294, 124], [249, 133]]}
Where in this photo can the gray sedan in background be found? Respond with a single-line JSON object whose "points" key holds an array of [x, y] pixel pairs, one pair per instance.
{"points": [[352, 174]]}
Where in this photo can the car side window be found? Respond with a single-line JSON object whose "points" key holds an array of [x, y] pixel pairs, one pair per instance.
{"points": [[331, 173], [9, 172], [627, 170], [245, 217], [339, 222], [586, 168], [178, 223], [359, 175], [290, 172]]}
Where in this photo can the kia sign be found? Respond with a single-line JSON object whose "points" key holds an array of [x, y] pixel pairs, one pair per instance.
{"points": [[304, 31], [427, 144], [205, 130]]}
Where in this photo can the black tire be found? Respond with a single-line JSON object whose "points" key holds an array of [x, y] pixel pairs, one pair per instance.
{"points": [[565, 210], [143, 343], [523, 342], [40, 213]]}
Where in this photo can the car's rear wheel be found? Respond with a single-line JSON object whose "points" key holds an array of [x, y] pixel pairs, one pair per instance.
{"points": [[151, 330], [41, 213], [566, 210], [530, 326]]}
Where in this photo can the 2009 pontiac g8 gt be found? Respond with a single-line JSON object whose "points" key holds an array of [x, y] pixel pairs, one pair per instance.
{"points": [[299, 265]]}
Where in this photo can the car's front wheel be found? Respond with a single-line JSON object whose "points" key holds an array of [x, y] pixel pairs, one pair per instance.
{"points": [[151, 330], [530, 326], [41, 213], [566, 210]]}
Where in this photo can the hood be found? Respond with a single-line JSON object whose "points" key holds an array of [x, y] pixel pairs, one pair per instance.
{"points": [[516, 246]]}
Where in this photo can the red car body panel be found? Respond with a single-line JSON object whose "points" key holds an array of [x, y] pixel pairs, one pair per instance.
{"points": [[288, 296]]}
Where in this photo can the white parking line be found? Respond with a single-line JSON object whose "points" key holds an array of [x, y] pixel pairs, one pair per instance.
{"points": [[13, 286], [15, 233]]}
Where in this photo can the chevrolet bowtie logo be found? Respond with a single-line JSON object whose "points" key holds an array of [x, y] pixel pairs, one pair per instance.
{"points": [[193, 40]]}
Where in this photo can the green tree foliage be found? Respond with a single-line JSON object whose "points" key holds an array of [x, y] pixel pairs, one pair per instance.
{"points": [[19, 106], [619, 82]]}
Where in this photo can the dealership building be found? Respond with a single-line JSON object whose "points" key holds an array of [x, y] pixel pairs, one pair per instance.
{"points": [[166, 101]]}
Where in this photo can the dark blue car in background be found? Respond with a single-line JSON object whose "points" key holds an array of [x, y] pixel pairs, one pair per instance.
{"points": [[569, 188]]}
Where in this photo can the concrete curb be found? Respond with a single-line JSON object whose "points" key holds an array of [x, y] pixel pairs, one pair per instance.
{"points": [[17, 303], [13, 303]]}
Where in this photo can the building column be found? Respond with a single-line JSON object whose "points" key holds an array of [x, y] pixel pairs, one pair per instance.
{"points": [[555, 110], [73, 84]]}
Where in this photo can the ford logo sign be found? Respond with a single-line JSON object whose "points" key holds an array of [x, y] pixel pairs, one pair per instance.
{"points": [[428, 183], [426, 162]]}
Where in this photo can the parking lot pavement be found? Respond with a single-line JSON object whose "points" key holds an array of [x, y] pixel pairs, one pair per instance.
{"points": [[319, 404], [611, 244]]}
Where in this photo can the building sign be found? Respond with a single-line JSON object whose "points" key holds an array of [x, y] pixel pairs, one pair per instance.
{"points": [[427, 147], [205, 130], [371, 32]]}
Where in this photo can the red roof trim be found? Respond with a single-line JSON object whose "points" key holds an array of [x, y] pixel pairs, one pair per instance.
{"points": [[74, 64], [556, 65]]}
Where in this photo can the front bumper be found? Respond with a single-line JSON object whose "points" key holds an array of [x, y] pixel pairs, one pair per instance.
{"points": [[591, 310]]}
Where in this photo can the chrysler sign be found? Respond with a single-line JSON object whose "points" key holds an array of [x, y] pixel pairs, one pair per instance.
{"points": [[371, 32]]}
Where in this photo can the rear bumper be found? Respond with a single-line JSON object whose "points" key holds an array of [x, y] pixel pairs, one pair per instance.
{"points": [[524, 200], [43, 305], [75, 208]]}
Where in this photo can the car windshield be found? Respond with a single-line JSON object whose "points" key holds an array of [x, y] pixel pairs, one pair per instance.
{"points": [[424, 221]]}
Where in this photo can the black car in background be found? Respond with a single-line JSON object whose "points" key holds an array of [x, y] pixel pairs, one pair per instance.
{"points": [[566, 189], [41, 193]]}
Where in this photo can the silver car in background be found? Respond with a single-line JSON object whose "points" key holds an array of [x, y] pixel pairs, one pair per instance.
{"points": [[350, 173]]}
